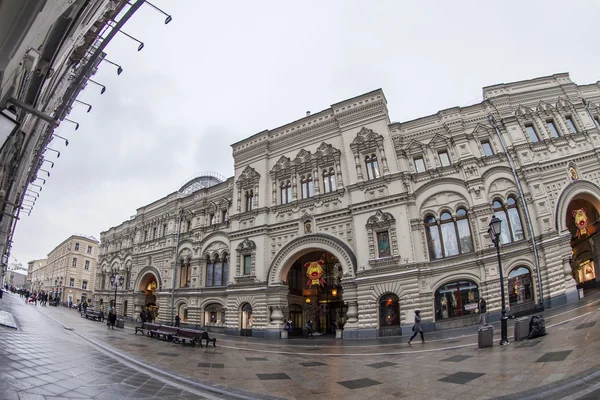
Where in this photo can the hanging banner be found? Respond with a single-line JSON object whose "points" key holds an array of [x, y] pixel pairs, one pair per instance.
{"points": [[581, 221], [314, 272]]}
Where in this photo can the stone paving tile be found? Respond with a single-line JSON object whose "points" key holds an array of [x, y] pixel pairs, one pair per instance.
{"points": [[359, 383], [461, 377], [586, 325], [457, 358], [554, 356]]}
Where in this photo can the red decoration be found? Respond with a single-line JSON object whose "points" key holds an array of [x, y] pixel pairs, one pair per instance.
{"points": [[314, 272]]}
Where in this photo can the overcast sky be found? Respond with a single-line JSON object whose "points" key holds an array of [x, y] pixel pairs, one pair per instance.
{"points": [[222, 71]]}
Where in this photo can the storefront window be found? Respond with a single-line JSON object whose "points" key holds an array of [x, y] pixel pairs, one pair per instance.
{"points": [[389, 311], [586, 271], [456, 299], [519, 286], [214, 314], [247, 316]]}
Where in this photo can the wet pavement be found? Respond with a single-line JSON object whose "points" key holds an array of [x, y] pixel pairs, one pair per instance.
{"points": [[563, 364]]}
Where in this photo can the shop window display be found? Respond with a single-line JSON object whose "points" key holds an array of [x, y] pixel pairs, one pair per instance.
{"points": [[389, 311], [214, 314], [456, 299], [519, 286], [586, 271]]}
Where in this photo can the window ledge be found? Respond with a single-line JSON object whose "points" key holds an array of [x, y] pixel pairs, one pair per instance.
{"points": [[385, 261], [245, 278], [299, 202]]}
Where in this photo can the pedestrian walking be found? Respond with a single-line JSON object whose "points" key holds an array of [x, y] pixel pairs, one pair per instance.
{"points": [[417, 327], [112, 319], [143, 316], [177, 320], [309, 329], [482, 311]]}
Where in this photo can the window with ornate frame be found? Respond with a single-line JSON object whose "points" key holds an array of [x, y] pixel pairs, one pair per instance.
{"points": [[185, 273], [246, 258], [249, 196], [449, 236], [552, 128], [217, 270], [381, 233], [511, 229], [307, 186], [444, 158], [286, 192], [570, 124], [531, 133], [329, 180], [372, 167], [419, 164]]}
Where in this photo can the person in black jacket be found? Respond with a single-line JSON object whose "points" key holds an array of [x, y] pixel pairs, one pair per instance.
{"points": [[482, 311], [112, 318]]}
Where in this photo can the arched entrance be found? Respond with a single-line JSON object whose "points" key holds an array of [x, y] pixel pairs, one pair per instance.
{"points": [[246, 320], [582, 220], [148, 286], [314, 281], [520, 289]]}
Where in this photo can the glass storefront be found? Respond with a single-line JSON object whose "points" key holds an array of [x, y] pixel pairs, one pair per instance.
{"points": [[520, 286], [214, 315], [456, 299]]}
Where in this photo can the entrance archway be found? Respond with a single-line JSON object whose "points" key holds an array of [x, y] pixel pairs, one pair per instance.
{"points": [[246, 320], [313, 281]]}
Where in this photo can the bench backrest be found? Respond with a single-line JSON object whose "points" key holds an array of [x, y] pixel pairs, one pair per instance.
{"points": [[168, 329], [151, 326], [205, 335], [189, 333]]}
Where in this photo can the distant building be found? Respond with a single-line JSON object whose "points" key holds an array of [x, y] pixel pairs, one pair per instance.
{"points": [[17, 278], [69, 271], [348, 219], [35, 274]]}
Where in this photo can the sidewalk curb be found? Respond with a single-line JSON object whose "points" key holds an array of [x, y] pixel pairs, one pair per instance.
{"points": [[171, 377]]}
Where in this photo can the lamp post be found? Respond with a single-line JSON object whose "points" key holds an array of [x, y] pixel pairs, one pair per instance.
{"points": [[116, 281], [494, 231]]}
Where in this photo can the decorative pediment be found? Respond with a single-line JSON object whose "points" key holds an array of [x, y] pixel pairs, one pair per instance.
{"points": [[439, 139], [481, 129], [563, 103], [246, 246], [211, 207], [326, 150], [366, 139], [283, 163], [248, 176], [380, 219], [544, 106], [303, 157], [414, 146], [522, 110], [224, 203]]}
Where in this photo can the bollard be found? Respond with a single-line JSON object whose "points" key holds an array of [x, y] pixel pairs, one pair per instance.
{"points": [[521, 328], [284, 334], [485, 336]]}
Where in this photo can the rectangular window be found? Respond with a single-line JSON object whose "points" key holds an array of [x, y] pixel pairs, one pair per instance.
{"points": [[420, 164], [72, 282], [552, 128], [444, 159], [189, 226], [89, 250], [87, 264], [154, 231], [212, 219], [570, 124], [145, 235], [530, 130], [247, 264], [164, 232], [597, 122], [76, 246], [487, 148], [74, 261], [223, 215], [383, 243], [84, 285]]}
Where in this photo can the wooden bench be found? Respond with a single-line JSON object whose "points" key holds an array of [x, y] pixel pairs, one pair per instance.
{"points": [[208, 339], [147, 328], [167, 332], [188, 335]]}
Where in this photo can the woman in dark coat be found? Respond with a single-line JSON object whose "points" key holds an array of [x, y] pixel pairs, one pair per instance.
{"points": [[417, 327], [112, 318]]}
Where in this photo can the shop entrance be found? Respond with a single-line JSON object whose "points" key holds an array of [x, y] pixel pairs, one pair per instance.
{"points": [[315, 294], [582, 221]]}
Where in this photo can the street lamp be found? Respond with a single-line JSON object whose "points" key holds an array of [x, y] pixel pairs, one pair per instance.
{"points": [[494, 231], [116, 281]]}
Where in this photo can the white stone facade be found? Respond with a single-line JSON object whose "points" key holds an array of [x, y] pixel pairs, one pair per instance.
{"points": [[372, 194]]}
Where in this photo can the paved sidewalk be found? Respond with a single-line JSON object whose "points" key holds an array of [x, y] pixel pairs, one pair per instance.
{"points": [[447, 366]]}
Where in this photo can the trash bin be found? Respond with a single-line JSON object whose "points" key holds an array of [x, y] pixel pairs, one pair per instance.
{"points": [[580, 292], [120, 323], [284, 334], [485, 336], [521, 328]]}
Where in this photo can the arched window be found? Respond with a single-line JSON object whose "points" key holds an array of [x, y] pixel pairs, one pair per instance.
{"points": [[308, 187], [372, 166], [249, 197], [511, 229], [185, 273], [520, 286], [329, 180], [214, 314], [182, 311], [286, 192], [217, 270], [456, 299], [389, 311], [125, 308], [246, 316], [450, 237]]}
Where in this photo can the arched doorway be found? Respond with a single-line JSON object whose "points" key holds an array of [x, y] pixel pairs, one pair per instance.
{"points": [[314, 281], [246, 320], [456, 299], [389, 316], [148, 285], [182, 311], [582, 218], [520, 290]]}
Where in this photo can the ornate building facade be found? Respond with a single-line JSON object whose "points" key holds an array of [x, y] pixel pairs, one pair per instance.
{"points": [[352, 221]]}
